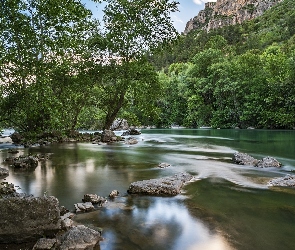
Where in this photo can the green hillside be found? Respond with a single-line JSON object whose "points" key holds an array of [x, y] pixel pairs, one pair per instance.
{"points": [[236, 76]]}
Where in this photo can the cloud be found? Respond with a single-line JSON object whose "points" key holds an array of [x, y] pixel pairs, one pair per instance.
{"points": [[203, 1]]}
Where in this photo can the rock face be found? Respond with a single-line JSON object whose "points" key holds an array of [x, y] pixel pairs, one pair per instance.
{"points": [[164, 186], [25, 219], [287, 181], [228, 12], [266, 162]]}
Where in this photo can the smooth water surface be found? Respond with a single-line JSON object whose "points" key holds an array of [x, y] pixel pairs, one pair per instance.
{"points": [[227, 207]]}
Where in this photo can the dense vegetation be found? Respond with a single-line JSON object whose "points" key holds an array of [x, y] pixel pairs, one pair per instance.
{"points": [[62, 70], [236, 76]]}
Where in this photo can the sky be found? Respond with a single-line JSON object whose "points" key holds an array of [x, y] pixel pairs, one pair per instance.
{"points": [[187, 10]]}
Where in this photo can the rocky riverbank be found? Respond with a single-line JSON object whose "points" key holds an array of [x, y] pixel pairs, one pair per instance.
{"points": [[26, 220]]}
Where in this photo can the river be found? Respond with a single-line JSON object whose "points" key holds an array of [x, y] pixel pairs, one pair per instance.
{"points": [[227, 207]]}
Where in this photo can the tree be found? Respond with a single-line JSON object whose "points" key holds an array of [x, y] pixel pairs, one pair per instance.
{"points": [[133, 28], [37, 38]]}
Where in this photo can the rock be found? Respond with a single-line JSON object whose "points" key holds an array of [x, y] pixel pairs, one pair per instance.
{"points": [[4, 172], [287, 181], [16, 138], [80, 237], [7, 190], [23, 162], [267, 162], [131, 141], [113, 194], [66, 221], [164, 165], [131, 131], [108, 136], [66, 224], [25, 219], [226, 12], [44, 244], [245, 159], [93, 198], [83, 207], [13, 151], [164, 186], [63, 210], [119, 124]]}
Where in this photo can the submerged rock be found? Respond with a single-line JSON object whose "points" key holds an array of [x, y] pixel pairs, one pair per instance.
{"points": [[286, 181], [164, 165], [131, 141], [164, 186], [245, 159]]}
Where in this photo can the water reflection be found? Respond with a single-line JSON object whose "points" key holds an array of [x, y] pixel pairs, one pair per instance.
{"points": [[228, 203], [153, 223]]}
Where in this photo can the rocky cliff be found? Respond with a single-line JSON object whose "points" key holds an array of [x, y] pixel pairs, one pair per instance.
{"points": [[228, 12]]}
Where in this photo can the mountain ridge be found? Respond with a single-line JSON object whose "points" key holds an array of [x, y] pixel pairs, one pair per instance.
{"points": [[225, 12]]}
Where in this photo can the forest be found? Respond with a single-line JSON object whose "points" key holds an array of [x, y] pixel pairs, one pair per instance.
{"points": [[236, 76], [62, 69]]}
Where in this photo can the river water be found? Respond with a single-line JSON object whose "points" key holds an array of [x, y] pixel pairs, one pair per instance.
{"points": [[227, 207]]}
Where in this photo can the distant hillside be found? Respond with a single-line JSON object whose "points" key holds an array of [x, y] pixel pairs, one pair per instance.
{"points": [[226, 12], [276, 25]]}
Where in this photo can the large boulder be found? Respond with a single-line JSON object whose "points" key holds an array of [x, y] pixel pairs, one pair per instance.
{"points": [[80, 237], [286, 181], [108, 136], [25, 219], [164, 186], [245, 159]]}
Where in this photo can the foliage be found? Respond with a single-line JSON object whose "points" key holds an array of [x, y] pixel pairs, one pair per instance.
{"points": [[239, 76], [59, 71]]}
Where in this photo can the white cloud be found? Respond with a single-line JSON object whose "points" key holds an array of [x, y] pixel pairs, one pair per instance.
{"points": [[203, 1]]}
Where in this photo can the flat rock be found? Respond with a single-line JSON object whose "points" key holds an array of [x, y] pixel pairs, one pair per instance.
{"points": [[164, 186], [24, 219], [286, 181]]}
